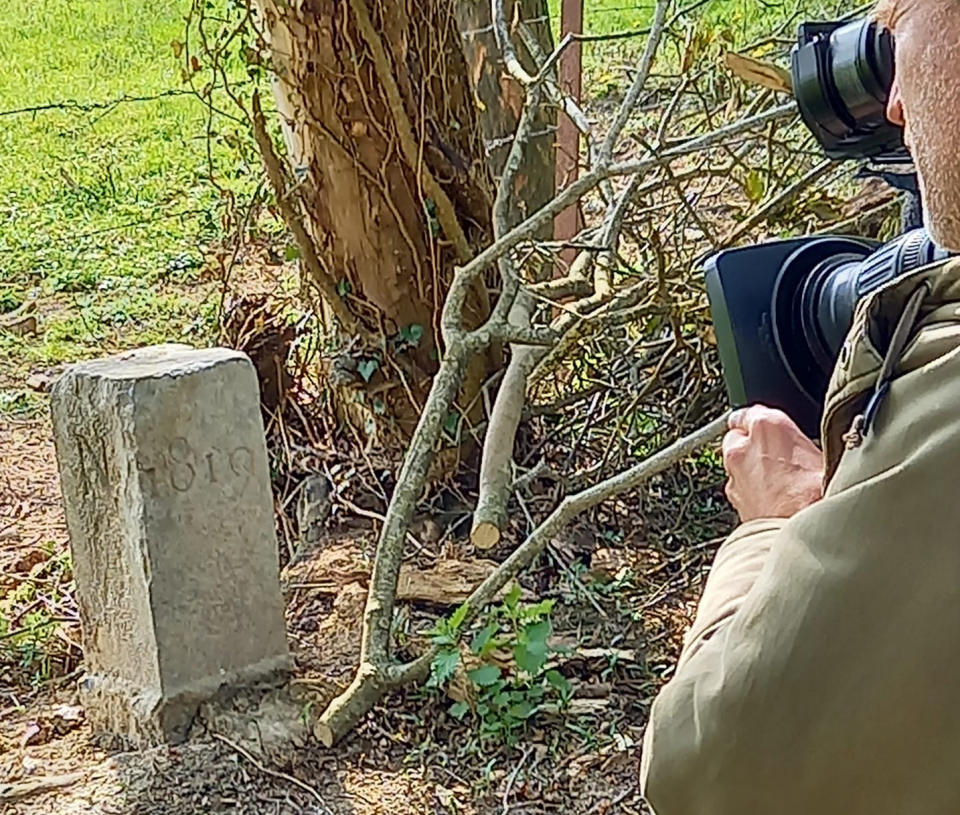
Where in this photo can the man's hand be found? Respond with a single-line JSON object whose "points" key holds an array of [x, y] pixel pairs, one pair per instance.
{"points": [[774, 469]]}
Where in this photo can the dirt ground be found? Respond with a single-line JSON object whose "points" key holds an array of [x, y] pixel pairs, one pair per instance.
{"points": [[409, 756]]}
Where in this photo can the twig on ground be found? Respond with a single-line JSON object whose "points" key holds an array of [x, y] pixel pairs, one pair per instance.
{"points": [[512, 779], [275, 773], [17, 790]]}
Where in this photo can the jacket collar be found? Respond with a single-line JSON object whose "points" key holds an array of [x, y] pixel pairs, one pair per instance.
{"points": [[855, 376]]}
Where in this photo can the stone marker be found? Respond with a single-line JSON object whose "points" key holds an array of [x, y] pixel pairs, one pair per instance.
{"points": [[166, 486]]}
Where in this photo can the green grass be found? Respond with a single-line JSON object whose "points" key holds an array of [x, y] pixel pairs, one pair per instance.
{"points": [[744, 19], [741, 23], [609, 16], [105, 214]]}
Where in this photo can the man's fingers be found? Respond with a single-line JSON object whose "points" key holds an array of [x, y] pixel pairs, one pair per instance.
{"points": [[734, 447], [744, 419], [751, 418], [737, 419]]}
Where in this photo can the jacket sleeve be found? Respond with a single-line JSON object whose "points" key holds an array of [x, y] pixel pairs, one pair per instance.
{"points": [[734, 571]]}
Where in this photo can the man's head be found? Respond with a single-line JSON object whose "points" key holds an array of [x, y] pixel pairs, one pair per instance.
{"points": [[925, 99]]}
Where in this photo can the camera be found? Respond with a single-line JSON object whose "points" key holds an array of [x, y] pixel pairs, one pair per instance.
{"points": [[781, 310], [842, 74]]}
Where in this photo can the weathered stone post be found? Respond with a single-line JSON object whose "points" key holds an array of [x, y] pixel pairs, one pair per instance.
{"points": [[166, 487]]}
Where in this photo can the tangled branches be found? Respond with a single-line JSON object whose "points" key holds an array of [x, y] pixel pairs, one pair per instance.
{"points": [[624, 328]]}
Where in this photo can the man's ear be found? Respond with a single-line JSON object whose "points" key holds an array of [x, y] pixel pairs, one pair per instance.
{"points": [[895, 105]]}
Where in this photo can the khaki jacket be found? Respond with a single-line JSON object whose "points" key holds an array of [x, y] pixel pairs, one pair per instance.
{"points": [[822, 673]]}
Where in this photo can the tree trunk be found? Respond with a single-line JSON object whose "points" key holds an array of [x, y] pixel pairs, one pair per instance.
{"points": [[397, 115]]}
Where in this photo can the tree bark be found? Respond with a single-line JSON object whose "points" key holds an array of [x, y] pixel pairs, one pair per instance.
{"points": [[397, 116]]}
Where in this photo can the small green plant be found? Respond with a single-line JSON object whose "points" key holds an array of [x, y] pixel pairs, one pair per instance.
{"points": [[367, 367], [74, 280], [409, 336], [10, 299], [29, 640], [503, 699]]}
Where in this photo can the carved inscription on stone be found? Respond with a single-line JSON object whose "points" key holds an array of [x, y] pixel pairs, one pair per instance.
{"points": [[166, 488], [181, 468]]}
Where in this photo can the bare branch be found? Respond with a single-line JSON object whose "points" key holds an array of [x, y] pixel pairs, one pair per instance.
{"points": [[775, 203], [639, 82], [588, 181], [490, 515], [507, 51]]}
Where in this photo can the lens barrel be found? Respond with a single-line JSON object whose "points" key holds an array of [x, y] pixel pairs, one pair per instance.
{"points": [[817, 292], [842, 75], [834, 288]]}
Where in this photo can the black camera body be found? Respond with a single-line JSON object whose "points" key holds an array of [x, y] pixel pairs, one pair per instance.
{"points": [[781, 310]]}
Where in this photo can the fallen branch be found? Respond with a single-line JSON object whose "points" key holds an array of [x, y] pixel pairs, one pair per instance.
{"points": [[490, 516], [569, 508]]}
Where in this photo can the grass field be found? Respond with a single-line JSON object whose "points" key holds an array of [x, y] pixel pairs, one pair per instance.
{"points": [[745, 18], [105, 213]]}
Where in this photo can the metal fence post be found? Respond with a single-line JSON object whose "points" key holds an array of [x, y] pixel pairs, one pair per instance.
{"points": [[567, 224]]}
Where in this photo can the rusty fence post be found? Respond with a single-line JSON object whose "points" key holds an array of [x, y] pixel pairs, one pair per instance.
{"points": [[566, 224]]}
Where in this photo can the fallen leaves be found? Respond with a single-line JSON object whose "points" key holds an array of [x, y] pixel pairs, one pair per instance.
{"points": [[52, 724], [759, 72]]}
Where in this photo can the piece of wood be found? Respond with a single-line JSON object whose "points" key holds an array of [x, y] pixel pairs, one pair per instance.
{"points": [[37, 786], [450, 582], [447, 583], [485, 535]]}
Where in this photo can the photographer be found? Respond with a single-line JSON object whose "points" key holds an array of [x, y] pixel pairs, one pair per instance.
{"points": [[821, 674]]}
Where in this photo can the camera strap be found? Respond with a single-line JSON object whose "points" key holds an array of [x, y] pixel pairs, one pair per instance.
{"points": [[898, 342]]}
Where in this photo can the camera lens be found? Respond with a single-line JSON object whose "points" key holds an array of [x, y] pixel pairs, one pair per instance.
{"points": [[834, 288], [842, 75], [796, 308], [862, 64], [817, 292]]}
